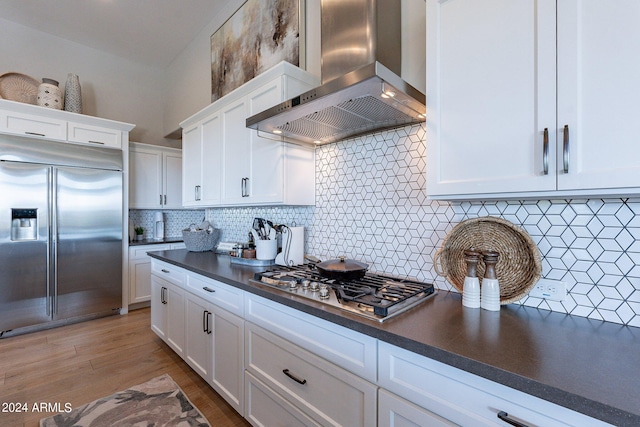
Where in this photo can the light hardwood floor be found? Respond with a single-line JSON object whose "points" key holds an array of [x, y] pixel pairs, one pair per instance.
{"points": [[82, 362]]}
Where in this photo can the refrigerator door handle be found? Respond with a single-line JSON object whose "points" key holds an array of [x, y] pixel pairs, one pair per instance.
{"points": [[53, 227]]}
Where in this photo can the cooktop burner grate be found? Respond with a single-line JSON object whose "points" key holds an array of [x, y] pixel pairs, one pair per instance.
{"points": [[375, 296]]}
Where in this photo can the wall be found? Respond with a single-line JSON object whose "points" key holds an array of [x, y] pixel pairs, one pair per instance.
{"points": [[112, 87], [371, 206]]}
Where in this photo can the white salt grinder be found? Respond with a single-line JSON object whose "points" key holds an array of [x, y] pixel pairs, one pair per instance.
{"points": [[471, 287], [490, 294]]}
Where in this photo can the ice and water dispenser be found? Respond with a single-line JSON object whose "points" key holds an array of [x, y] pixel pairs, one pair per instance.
{"points": [[24, 224]]}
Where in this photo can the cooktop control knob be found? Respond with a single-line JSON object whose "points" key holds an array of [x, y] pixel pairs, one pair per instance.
{"points": [[324, 291]]}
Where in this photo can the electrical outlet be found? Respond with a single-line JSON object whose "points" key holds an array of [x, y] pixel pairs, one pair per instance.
{"points": [[555, 290]]}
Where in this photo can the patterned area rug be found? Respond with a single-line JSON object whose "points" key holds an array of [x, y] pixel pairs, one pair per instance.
{"points": [[158, 403]]}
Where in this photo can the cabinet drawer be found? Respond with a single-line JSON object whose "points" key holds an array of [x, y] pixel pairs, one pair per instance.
{"points": [[325, 392], [394, 411], [26, 124], [348, 349], [94, 135], [265, 408], [464, 398], [168, 272], [218, 293], [140, 252]]}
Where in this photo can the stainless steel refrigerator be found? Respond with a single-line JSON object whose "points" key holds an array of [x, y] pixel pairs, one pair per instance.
{"points": [[60, 233]]}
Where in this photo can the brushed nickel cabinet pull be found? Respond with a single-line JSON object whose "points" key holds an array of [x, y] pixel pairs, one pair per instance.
{"points": [[244, 187], [565, 149], [545, 151]]}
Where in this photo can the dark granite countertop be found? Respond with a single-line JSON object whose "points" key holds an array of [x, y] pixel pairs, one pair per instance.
{"points": [[592, 367], [155, 242]]}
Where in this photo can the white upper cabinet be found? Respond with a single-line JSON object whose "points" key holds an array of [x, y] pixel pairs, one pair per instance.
{"points": [[244, 168], [499, 126], [236, 153], [19, 118], [598, 93], [202, 163], [155, 177]]}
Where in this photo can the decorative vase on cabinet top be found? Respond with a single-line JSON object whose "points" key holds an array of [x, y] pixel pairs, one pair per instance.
{"points": [[49, 94], [72, 94]]}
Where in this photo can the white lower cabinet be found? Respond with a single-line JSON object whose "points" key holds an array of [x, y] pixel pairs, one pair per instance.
{"points": [[323, 391], [393, 411], [466, 399], [211, 338], [266, 408], [140, 270], [198, 350], [278, 366], [167, 312], [343, 347]]}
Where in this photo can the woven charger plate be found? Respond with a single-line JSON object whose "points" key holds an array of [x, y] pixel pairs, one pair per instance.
{"points": [[519, 265], [19, 87]]}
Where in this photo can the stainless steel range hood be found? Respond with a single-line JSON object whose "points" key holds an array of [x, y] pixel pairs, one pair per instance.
{"points": [[361, 91]]}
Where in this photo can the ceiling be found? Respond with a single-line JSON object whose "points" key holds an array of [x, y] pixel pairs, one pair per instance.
{"points": [[150, 32]]}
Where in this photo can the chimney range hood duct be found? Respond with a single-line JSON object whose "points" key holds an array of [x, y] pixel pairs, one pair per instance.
{"points": [[361, 91]]}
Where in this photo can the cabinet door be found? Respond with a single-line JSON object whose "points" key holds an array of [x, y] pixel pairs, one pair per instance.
{"points": [[139, 280], [94, 135], [145, 179], [175, 318], [192, 166], [33, 125], [198, 335], [172, 181], [490, 95], [236, 154], [267, 155], [228, 358], [211, 161], [158, 307], [598, 92]]}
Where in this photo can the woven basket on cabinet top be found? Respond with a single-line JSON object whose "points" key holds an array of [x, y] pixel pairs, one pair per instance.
{"points": [[519, 265]]}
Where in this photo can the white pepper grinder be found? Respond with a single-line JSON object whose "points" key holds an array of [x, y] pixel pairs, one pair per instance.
{"points": [[490, 294], [471, 287]]}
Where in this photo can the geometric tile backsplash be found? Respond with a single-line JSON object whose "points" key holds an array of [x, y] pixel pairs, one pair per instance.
{"points": [[175, 220], [371, 206]]}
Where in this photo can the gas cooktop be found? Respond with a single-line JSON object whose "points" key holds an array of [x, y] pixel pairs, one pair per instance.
{"points": [[375, 296]]}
